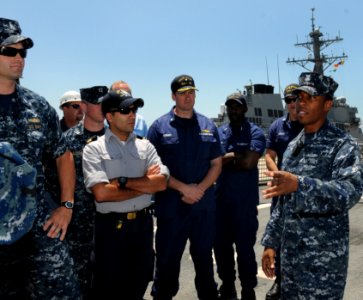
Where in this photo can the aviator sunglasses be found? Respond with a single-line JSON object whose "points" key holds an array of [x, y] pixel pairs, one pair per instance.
{"points": [[11, 52], [290, 99], [126, 110]]}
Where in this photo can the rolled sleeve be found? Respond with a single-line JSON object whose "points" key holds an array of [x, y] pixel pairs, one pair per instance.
{"points": [[93, 170]]}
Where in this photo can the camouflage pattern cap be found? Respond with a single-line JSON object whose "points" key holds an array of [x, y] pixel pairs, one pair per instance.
{"points": [[182, 83], [316, 84], [236, 97], [17, 195], [93, 94], [10, 33]]}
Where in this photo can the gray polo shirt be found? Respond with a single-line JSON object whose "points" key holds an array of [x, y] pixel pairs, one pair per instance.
{"points": [[108, 158]]}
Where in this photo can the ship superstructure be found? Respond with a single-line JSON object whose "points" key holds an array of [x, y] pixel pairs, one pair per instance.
{"points": [[264, 106]]}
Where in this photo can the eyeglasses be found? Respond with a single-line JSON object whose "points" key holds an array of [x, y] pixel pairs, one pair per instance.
{"points": [[11, 52], [126, 110], [290, 99], [74, 106]]}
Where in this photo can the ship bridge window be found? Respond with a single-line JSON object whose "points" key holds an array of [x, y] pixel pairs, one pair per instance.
{"points": [[258, 112], [257, 121], [275, 113]]}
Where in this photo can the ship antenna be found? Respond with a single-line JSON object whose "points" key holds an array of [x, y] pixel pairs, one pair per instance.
{"points": [[312, 20], [278, 74], [315, 46], [268, 78]]}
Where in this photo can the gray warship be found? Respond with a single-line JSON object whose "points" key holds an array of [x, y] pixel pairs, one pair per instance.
{"points": [[264, 105]]}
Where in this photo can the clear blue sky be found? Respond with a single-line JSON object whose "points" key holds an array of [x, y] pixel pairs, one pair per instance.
{"points": [[222, 44]]}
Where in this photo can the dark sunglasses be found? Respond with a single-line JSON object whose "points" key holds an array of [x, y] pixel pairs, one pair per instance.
{"points": [[9, 51], [290, 99], [126, 110], [74, 106]]}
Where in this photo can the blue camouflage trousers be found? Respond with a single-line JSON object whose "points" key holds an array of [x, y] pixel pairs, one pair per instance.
{"points": [[37, 267]]}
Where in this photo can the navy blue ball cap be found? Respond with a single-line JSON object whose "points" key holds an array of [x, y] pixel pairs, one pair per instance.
{"points": [[316, 84], [93, 94], [289, 90], [10, 33], [182, 83], [236, 97], [119, 99]]}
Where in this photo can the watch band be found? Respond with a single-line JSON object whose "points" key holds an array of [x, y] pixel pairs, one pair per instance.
{"points": [[122, 182], [67, 204]]}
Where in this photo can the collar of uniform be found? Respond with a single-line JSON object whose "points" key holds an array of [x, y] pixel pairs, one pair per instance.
{"points": [[244, 124], [285, 117], [173, 116], [109, 134]]}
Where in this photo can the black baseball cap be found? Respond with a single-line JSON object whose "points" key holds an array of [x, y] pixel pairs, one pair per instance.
{"points": [[182, 83], [93, 94], [236, 97], [119, 99], [289, 90]]}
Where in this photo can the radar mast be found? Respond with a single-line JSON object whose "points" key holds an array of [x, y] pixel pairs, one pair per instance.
{"points": [[315, 46]]}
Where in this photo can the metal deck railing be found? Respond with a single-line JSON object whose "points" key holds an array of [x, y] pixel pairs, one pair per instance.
{"points": [[262, 178]]}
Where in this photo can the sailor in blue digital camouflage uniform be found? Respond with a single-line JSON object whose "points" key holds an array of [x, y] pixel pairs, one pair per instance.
{"points": [[237, 199], [34, 263], [188, 144], [321, 180], [123, 171], [80, 231], [280, 133]]}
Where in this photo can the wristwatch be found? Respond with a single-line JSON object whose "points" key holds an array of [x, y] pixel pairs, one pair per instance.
{"points": [[67, 204], [122, 182]]}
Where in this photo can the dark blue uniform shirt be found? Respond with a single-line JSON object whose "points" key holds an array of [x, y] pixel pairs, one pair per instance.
{"points": [[281, 132], [186, 147], [233, 185]]}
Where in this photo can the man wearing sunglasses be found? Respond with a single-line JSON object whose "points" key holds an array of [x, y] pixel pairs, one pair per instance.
{"points": [[321, 179], [80, 231], [70, 104], [281, 132], [35, 265], [140, 123], [123, 172]]}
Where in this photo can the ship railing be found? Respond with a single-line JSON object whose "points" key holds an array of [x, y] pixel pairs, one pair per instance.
{"points": [[262, 178]]}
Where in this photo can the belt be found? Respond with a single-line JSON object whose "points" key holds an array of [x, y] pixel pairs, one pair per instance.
{"points": [[126, 216]]}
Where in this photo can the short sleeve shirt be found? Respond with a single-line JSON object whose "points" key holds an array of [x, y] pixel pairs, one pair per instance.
{"points": [[242, 184], [281, 132], [109, 158]]}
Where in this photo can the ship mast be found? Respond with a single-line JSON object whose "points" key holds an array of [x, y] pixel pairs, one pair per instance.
{"points": [[316, 44]]}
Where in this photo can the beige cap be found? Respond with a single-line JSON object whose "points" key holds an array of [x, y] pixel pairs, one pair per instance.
{"points": [[70, 96]]}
